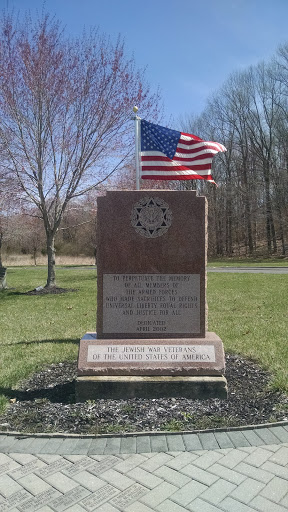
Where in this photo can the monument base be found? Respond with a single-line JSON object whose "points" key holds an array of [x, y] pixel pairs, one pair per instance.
{"points": [[150, 368], [123, 387]]}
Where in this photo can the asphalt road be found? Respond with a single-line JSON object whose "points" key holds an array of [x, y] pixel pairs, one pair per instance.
{"points": [[250, 270], [240, 270]]}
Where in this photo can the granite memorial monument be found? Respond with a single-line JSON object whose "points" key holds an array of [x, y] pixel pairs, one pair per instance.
{"points": [[152, 337]]}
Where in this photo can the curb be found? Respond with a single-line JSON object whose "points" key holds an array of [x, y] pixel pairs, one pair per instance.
{"points": [[23, 435]]}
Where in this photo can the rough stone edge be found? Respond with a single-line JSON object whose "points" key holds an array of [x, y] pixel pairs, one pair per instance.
{"points": [[22, 435]]}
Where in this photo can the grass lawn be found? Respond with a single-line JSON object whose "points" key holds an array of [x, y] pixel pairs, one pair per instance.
{"points": [[248, 262], [248, 311], [39, 330]]}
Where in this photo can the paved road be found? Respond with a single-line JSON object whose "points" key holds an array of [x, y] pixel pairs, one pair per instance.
{"points": [[233, 471], [242, 270], [251, 270]]}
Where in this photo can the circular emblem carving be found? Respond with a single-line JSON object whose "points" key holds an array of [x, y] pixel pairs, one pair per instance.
{"points": [[151, 217]]}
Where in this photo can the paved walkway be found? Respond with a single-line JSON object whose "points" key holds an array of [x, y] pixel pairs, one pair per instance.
{"points": [[235, 471]]}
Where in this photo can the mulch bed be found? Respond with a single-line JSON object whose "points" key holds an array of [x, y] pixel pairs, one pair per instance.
{"points": [[46, 403]]}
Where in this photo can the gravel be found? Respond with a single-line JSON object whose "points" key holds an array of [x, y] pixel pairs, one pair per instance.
{"points": [[46, 403]]}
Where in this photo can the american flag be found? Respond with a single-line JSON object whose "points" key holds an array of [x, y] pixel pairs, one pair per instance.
{"points": [[171, 155]]}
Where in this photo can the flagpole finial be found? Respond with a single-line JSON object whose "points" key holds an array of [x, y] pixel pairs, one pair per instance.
{"points": [[135, 109]]}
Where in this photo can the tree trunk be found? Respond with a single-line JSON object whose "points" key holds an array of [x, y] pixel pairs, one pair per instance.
{"points": [[228, 216], [219, 238], [270, 229], [35, 256], [1, 237], [247, 210], [281, 230], [51, 279]]}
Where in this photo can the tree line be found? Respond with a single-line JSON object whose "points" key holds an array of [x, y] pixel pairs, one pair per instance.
{"points": [[248, 212], [23, 233]]}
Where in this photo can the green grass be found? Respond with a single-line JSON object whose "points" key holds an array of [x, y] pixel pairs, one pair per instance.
{"points": [[248, 311], [248, 262], [39, 330]]}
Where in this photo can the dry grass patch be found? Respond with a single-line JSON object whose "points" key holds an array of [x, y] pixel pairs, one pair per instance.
{"points": [[26, 260]]}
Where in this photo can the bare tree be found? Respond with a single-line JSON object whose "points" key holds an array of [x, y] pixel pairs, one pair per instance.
{"points": [[234, 99], [8, 191], [248, 114], [263, 118], [65, 109]]}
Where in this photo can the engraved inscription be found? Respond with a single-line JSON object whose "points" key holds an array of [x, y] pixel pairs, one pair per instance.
{"points": [[30, 467], [151, 303], [14, 499], [103, 465], [79, 465], [100, 496], [40, 500], [68, 499], [137, 353], [133, 493], [4, 467], [4, 506], [151, 217], [54, 467]]}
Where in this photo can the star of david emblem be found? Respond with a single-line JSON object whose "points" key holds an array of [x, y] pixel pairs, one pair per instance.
{"points": [[151, 217]]}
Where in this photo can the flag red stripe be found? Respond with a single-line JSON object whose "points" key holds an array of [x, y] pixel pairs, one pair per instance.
{"points": [[158, 158], [176, 168], [178, 177], [206, 149], [190, 142], [192, 158], [193, 137], [200, 143], [155, 159]]}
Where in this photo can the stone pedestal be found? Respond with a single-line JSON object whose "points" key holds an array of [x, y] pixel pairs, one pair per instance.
{"points": [[151, 317], [120, 387]]}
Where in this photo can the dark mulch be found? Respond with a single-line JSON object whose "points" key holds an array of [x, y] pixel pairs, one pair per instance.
{"points": [[45, 403]]}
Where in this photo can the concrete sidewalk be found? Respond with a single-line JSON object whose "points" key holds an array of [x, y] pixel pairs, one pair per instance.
{"points": [[238, 471]]}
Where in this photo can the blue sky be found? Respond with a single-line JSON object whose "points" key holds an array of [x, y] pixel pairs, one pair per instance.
{"points": [[190, 47]]}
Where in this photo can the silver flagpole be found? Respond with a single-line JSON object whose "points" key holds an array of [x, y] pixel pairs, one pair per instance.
{"points": [[137, 147]]}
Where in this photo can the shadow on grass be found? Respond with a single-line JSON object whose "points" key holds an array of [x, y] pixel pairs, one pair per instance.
{"points": [[74, 341], [9, 294], [47, 292], [68, 267], [12, 293], [60, 393], [79, 277]]}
